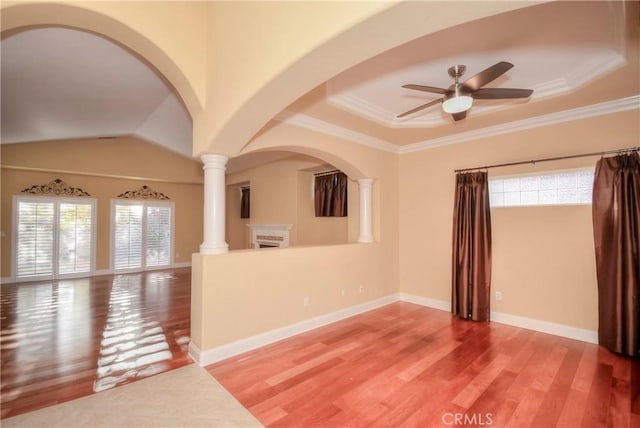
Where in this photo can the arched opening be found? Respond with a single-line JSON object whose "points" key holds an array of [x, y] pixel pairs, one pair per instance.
{"points": [[285, 189], [108, 128]]}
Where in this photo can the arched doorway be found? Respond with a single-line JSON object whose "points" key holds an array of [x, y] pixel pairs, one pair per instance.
{"points": [[85, 320]]}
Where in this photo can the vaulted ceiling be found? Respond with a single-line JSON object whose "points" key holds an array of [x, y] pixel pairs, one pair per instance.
{"points": [[60, 83]]}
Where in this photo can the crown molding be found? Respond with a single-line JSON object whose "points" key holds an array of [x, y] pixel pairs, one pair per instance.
{"points": [[607, 107], [354, 104], [598, 65], [308, 122]]}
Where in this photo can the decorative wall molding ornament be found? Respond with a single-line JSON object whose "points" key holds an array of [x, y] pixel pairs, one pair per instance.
{"points": [[144, 192], [56, 187]]}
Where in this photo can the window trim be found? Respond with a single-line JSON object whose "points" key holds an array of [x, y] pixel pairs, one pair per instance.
{"points": [[537, 174], [56, 200], [112, 235]]}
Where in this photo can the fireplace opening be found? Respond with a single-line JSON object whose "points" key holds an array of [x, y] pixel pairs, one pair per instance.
{"points": [[269, 235]]}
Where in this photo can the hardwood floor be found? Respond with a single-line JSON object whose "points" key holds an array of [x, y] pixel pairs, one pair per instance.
{"points": [[400, 365], [406, 365], [65, 339]]}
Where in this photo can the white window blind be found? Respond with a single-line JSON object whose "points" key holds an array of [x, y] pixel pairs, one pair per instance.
{"points": [[143, 235], [75, 235], [128, 236], [54, 237], [560, 188], [35, 238], [158, 240]]}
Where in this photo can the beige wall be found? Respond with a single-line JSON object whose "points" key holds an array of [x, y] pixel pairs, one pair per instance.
{"points": [[249, 292], [543, 257], [81, 162], [274, 193], [243, 293], [281, 194]]}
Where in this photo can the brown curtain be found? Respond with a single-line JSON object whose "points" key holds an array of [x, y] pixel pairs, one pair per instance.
{"points": [[245, 202], [471, 263], [616, 227], [331, 195]]}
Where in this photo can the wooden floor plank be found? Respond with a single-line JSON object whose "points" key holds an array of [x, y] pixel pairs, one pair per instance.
{"points": [[406, 365], [66, 339], [400, 365], [556, 395]]}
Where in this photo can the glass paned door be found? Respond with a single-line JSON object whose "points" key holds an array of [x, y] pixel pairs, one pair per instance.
{"points": [[54, 237]]}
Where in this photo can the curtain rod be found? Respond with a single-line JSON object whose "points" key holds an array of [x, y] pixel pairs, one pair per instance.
{"points": [[535, 161], [333, 171]]}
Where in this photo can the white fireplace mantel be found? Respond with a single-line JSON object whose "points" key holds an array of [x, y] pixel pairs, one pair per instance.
{"points": [[269, 235]]}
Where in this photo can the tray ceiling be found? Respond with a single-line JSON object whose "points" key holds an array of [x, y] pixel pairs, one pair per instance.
{"points": [[59, 83]]}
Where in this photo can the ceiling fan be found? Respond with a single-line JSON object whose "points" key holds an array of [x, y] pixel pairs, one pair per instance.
{"points": [[458, 98]]}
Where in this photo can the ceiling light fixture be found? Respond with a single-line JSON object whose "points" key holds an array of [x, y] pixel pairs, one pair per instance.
{"points": [[457, 101]]}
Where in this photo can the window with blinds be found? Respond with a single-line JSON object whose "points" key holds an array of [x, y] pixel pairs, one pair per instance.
{"points": [[128, 225], [75, 238], [54, 237], [142, 235], [158, 237]]}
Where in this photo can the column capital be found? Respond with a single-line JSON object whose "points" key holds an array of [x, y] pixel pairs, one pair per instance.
{"points": [[214, 161], [365, 182]]}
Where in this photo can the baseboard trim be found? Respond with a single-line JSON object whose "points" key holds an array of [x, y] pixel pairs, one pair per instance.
{"points": [[181, 265], [562, 330], [99, 272], [210, 356], [442, 305], [194, 353]]}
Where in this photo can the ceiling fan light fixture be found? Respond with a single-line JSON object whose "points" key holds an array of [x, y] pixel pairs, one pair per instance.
{"points": [[457, 101]]}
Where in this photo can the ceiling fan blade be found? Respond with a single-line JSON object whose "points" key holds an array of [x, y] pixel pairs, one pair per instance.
{"points": [[487, 75], [420, 107], [459, 116], [433, 89], [500, 93]]}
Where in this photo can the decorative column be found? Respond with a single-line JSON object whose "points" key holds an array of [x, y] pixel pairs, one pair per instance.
{"points": [[214, 204], [366, 234]]}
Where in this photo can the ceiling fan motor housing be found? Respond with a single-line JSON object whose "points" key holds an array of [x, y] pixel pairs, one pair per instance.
{"points": [[457, 99]]}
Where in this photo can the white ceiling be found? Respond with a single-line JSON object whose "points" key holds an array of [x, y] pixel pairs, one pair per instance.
{"points": [[573, 46], [59, 83]]}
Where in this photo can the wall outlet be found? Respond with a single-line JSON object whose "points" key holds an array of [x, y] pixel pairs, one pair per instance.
{"points": [[305, 301], [361, 289], [498, 295], [344, 292]]}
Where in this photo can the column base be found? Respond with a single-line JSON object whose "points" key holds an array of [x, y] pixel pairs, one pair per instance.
{"points": [[365, 239], [214, 248]]}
